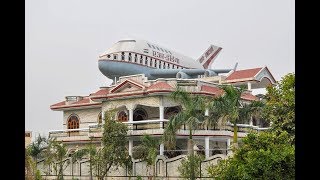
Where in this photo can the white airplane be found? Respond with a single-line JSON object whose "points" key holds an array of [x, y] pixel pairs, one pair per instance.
{"points": [[132, 56]]}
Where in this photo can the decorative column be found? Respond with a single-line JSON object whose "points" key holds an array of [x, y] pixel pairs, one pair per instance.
{"points": [[161, 112], [130, 147], [161, 149], [228, 146], [206, 113], [251, 122], [130, 115], [207, 146], [249, 86]]}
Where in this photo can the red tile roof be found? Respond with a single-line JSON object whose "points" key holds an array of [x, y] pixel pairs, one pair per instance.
{"points": [[160, 85], [248, 96], [85, 100], [243, 74], [125, 82], [210, 89], [100, 92], [60, 104]]}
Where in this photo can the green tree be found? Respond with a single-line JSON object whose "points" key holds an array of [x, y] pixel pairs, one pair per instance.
{"points": [[192, 115], [229, 107], [191, 164], [280, 105], [264, 155], [113, 151], [147, 151], [56, 153], [36, 148], [29, 165], [90, 150]]}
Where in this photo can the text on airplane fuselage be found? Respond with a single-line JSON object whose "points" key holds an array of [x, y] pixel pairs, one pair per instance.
{"points": [[166, 57]]}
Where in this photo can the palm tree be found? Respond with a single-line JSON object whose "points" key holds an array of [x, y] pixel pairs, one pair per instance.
{"points": [[36, 148], [29, 165], [192, 115], [147, 151], [57, 153], [229, 107]]}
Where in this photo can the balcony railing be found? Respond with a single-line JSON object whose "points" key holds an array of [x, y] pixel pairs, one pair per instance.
{"points": [[95, 130]]}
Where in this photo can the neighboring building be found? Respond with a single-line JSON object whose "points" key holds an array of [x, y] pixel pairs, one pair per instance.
{"points": [[27, 138]]}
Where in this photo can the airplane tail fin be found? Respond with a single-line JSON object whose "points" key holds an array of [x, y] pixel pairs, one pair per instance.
{"points": [[207, 58]]}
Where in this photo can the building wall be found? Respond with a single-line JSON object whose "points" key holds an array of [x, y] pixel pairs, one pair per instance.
{"points": [[86, 116]]}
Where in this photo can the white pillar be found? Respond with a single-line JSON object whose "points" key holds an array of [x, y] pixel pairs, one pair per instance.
{"points": [[207, 146], [130, 146], [249, 85], [161, 149], [251, 121], [161, 115], [130, 115], [206, 113], [228, 145]]}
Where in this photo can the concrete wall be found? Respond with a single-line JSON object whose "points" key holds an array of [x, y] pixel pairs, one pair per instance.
{"points": [[165, 167]]}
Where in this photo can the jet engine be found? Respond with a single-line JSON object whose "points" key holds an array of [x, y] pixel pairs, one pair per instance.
{"points": [[182, 75], [209, 73]]}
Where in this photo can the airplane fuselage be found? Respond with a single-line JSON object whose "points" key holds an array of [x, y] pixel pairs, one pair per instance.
{"points": [[129, 57]]}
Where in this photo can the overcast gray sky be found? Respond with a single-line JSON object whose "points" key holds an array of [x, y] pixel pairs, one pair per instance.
{"points": [[64, 39]]}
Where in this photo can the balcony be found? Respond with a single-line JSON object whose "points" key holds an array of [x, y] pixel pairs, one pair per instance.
{"points": [[154, 127]]}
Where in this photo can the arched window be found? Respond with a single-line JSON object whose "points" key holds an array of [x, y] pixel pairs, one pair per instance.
{"points": [[100, 118], [122, 116], [129, 58], [73, 122], [139, 114], [171, 111]]}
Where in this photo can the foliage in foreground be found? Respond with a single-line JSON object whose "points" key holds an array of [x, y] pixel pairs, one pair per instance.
{"points": [[280, 108], [266, 155], [113, 152], [189, 165]]}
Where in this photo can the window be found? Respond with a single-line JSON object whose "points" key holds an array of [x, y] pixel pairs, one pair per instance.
{"points": [[114, 56], [100, 118], [135, 58], [146, 61], [151, 62], [139, 114], [171, 111], [108, 56], [141, 59], [129, 58], [168, 66], [164, 65], [173, 66], [155, 63], [122, 116], [159, 63], [73, 122], [122, 56]]}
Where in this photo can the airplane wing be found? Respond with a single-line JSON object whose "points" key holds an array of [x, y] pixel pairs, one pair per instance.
{"points": [[187, 73]]}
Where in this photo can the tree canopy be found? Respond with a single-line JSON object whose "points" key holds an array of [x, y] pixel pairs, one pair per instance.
{"points": [[265, 155]]}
